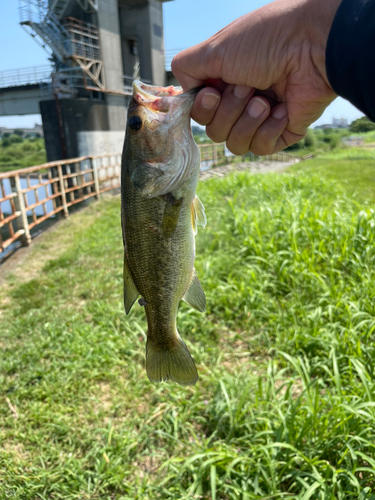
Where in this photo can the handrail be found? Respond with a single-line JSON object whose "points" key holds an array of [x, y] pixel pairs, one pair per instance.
{"points": [[30, 196]]}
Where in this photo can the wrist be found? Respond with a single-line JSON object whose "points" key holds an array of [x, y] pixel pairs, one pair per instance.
{"points": [[319, 18]]}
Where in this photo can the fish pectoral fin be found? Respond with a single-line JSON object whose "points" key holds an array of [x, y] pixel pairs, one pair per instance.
{"points": [[194, 295], [169, 175], [198, 215], [144, 177], [171, 214], [130, 290]]}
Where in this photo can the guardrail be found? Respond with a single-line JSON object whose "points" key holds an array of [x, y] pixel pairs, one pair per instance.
{"points": [[25, 76], [32, 195]]}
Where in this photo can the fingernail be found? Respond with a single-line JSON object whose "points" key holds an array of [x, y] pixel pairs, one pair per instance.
{"points": [[241, 91], [257, 107], [280, 112], [209, 101]]}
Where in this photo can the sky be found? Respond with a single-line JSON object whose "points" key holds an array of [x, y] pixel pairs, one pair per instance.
{"points": [[186, 22]]}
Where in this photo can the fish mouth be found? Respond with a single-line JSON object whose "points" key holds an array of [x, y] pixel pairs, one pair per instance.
{"points": [[144, 93], [151, 92]]}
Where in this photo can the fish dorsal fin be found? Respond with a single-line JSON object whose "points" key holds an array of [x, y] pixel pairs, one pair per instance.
{"points": [[130, 290], [198, 215], [194, 295]]}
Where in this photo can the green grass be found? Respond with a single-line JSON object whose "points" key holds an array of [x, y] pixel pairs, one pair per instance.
{"points": [[23, 154], [352, 168], [285, 405], [368, 137]]}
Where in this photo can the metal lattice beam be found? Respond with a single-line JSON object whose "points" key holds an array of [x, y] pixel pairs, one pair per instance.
{"points": [[88, 5]]}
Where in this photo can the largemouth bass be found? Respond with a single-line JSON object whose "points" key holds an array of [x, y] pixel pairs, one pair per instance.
{"points": [[160, 213]]}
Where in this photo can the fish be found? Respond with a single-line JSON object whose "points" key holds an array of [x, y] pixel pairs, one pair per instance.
{"points": [[160, 212]]}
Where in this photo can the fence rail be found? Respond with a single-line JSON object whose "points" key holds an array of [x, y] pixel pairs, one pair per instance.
{"points": [[25, 76], [217, 154], [32, 195]]}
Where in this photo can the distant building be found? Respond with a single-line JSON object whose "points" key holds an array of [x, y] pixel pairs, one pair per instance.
{"points": [[336, 123], [36, 131], [322, 127], [340, 123]]}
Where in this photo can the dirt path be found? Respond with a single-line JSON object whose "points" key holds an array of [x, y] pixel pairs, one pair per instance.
{"points": [[253, 167], [31, 259]]}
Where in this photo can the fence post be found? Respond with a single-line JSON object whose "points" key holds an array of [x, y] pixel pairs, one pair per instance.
{"points": [[62, 190], [215, 155], [20, 207], [96, 178]]}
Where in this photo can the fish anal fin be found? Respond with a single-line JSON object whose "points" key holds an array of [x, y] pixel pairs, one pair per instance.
{"points": [[170, 363], [171, 214], [130, 290], [198, 216], [194, 295]]}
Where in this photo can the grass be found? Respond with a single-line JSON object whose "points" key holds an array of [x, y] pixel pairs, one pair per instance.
{"points": [[352, 168], [285, 405], [27, 153], [368, 137]]}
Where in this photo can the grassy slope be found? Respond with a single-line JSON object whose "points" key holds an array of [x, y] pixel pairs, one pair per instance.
{"points": [[24, 154], [353, 168], [285, 403]]}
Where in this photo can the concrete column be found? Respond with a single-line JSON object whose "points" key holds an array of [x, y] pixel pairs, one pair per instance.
{"points": [[109, 33], [110, 43], [141, 21], [157, 42]]}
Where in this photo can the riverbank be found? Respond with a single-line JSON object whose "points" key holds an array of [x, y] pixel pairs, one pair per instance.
{"points": [[284, 354]]}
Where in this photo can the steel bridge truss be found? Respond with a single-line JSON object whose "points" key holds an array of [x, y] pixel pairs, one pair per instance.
{"points": [[73, 42]]}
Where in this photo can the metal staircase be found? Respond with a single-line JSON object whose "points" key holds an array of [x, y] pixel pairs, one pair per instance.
{"points": [[75, 44], [42, 24], [58, 7]]}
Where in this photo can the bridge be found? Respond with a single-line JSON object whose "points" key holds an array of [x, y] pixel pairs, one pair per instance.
{"points": [[97, 48], [21, 90]]}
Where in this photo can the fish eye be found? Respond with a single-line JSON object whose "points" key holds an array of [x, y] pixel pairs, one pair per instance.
{"points": [[135, 123]]}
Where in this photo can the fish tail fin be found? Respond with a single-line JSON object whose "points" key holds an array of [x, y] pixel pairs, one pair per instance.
{"points": [[170, 363]]}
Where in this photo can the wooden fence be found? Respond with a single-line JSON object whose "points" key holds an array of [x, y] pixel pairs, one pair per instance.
{"points": [[32, 195], [217, 154]]}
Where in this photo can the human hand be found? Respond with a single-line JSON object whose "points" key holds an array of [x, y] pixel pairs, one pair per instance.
{"points": [[265, 76]]}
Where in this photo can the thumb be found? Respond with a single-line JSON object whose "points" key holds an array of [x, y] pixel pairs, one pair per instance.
{"points": [[191, 67]]}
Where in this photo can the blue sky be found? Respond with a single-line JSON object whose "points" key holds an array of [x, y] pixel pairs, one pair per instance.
{"points": [[186, 22]]}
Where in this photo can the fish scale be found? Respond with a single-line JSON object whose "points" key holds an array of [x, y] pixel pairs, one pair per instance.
{"points": [[161, 265]]}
